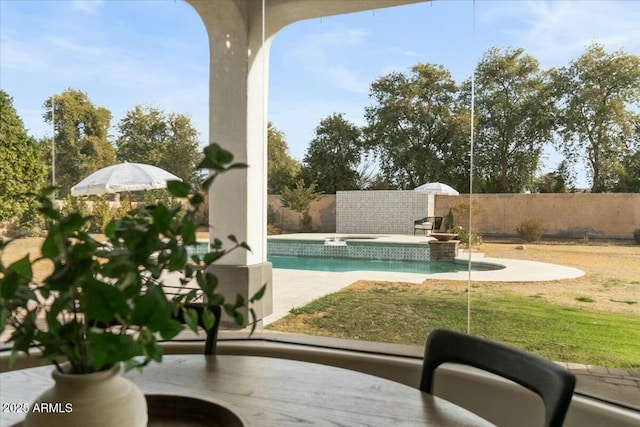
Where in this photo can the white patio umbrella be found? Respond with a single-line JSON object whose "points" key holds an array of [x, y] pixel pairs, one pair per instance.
{"points": [[438, 188], [123, 177]]}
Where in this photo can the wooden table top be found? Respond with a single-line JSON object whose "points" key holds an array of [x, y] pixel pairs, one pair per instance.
{"points": [[270, 392]]}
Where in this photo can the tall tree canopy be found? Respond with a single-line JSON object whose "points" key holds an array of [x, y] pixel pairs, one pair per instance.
{"points": [[596, 93], [628, 176], [282, 169], [333, 156], [416, 128], [81, 131], [514, 119], [21, 168], [170, 142]]}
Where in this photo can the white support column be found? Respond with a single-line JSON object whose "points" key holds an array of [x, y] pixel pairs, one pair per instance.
{"points": [[239, 42], [237, 121]]}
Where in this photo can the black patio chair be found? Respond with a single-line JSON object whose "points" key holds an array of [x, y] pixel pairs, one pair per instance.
{"points": [[419, 224], [553, 383], [211, 344]]}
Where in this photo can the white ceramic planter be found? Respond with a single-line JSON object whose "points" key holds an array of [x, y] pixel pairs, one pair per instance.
{"points": [[104, 399]]}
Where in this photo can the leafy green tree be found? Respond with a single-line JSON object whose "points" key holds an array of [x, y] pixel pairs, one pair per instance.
{"points": [[81, 137], [22, 170], [415, 127], [514, 119], [170, 142], [558, 181], [596, 94], [333, 156], [282, 169], [299, 199], [629, 173]]}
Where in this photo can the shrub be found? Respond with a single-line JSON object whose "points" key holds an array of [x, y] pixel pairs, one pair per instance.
{"points": [[530, 230], [448, 220], [307, 223], [202, 215], [636, 235], [31, 223], [464, 237], [101, 215], [272, 215], [74, 204], [272, 230]]}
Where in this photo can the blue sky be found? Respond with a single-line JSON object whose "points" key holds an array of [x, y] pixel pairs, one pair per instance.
{"points": [[128, 52]]}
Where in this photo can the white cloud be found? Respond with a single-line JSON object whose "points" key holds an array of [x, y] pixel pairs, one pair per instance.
{"points": [[555, 31], [87, 6], [64, 45], [116, 65]]}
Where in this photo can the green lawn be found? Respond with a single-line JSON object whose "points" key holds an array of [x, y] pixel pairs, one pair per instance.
{"points": [[404, 314]]}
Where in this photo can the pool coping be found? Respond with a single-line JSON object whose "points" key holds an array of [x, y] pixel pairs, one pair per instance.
{"points": [[514, 270]]}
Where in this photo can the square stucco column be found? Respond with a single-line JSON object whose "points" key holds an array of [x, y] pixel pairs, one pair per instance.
{"points": [[240, 34], [237, 120]]}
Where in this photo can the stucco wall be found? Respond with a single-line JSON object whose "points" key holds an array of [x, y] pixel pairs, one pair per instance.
{"points": [[571, 215], [322, 212]]}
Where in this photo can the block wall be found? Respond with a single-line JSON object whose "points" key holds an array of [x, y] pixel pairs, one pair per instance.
{"points": [[380, 212]]}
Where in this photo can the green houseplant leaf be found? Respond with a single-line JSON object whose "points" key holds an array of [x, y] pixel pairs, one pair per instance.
{"points": [[105, 302]]}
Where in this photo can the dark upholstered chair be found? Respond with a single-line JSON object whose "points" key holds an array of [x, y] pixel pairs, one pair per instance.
{"points": [[198, 305], [553, 383], [422, 224], [434, 224]]}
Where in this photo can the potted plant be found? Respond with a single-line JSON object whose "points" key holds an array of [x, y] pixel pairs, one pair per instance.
{"points": [[105, 303]]}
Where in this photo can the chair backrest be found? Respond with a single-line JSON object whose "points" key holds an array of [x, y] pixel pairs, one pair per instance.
{"points": [[437, 223], [198, 305], [553, 383], [210, 346]]}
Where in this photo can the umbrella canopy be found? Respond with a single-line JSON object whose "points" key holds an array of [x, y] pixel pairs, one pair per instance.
{"points": [[438, 188], [123, 177]]}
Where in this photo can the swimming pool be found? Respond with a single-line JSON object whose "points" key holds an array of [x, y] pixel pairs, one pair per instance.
{"points": [[334, 264]]}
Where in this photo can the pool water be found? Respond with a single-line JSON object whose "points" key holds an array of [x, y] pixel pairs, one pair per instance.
{"points": [[357, 264]]}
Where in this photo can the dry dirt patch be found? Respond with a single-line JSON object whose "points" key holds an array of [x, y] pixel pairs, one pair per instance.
{"points": [[612, 274], [611, 280]]}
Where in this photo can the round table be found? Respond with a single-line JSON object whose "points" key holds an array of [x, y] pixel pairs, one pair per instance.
{"points": [[270, 392]]}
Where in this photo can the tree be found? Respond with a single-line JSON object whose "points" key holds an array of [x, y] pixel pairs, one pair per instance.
{"points": [[282, 169], [22, 168], [299, 199], [558, 181], [514, 119], [416, 127], [595, 94], [80, 135], [333, 155], [170, 142], [629, 173]]}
